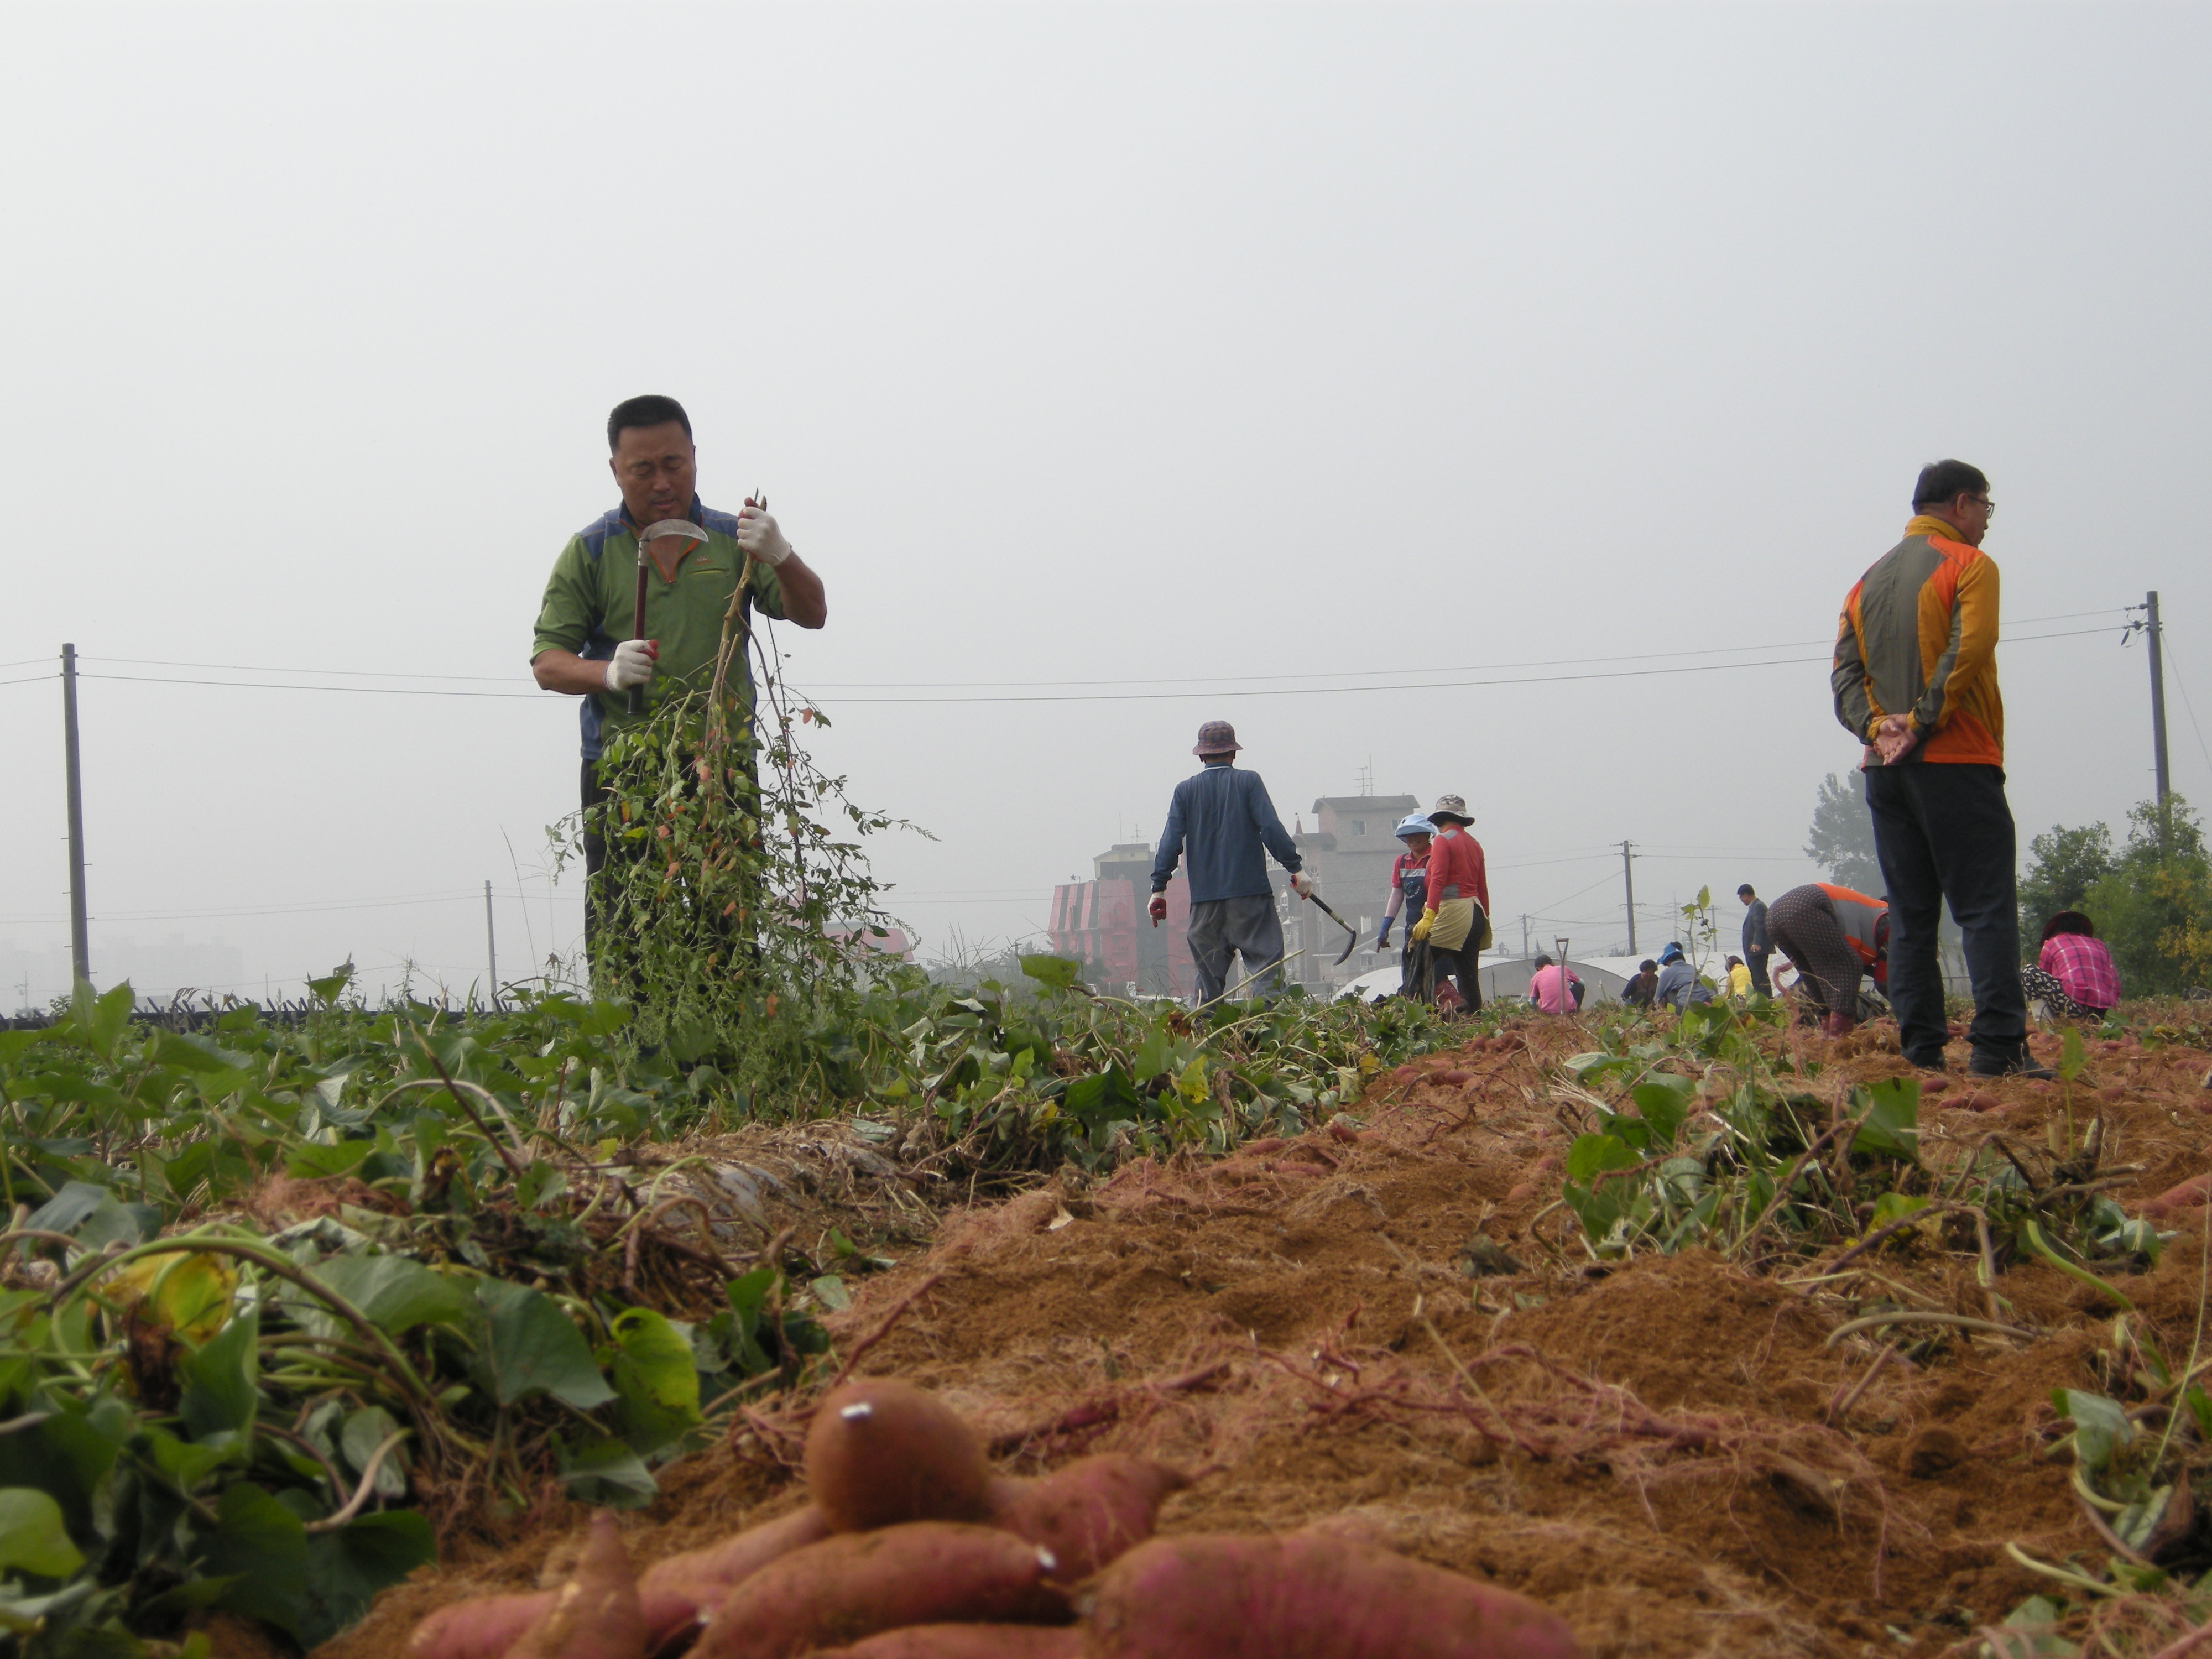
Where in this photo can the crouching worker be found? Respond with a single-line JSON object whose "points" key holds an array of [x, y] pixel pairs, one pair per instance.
{"points": [[2073, 977], [1833, 937], [1455, 920]]}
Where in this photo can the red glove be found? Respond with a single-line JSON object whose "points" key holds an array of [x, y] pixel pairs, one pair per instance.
{"points": [[1159, 908]]}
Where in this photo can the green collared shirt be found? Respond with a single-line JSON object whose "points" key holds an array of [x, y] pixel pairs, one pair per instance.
{"points": [[593, 593]]}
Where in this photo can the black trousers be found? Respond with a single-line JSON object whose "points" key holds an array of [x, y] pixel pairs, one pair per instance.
{"points": [[1756, 961], [1461, 966], [1946, 832], [605, 973]]}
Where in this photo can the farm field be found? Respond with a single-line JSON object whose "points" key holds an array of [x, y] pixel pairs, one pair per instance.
{"points": [[1689, 1413]]}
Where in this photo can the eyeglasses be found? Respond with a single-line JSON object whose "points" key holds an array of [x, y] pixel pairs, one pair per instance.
{"points": [[1989, 507]]}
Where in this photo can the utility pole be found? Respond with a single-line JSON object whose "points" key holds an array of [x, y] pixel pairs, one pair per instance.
{"points": [[2157, 691], [1628, 881], [1525, 937], [491, 947], [80, 951]]}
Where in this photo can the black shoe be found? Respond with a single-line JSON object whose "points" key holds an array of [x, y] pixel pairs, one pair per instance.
{"points": [[1935, 1065], [2017, 1065]]}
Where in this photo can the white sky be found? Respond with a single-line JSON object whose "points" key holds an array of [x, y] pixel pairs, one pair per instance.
{"points": [[1070, 343]]}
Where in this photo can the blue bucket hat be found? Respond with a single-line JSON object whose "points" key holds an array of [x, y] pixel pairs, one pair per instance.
{"points": [[1413, 823], [1672, 953]]}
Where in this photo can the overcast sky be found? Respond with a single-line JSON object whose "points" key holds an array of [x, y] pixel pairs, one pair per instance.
{"points": [[1260, 352]]}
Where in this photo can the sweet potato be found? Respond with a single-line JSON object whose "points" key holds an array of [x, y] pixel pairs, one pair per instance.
{"points": [[596, 1614], [1305, 1596], [1089, 1513], [852, 1586], [740, 1555], [882, 1452], [486, 1626], [967, 1642], [672, 1592]]}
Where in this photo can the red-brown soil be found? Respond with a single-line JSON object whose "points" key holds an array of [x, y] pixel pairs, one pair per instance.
{"points": [[1645, 1447]]}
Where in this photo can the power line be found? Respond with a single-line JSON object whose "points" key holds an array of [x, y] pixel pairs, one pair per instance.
{"points": [[1092, 697], [2183, 685], [276, 685], [251, 668], [1425, 685]]}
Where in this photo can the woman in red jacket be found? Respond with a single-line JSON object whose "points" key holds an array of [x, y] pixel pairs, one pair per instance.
{"points": [[1455, 920]]}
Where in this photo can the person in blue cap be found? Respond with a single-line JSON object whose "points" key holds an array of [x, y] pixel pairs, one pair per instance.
{"points": [[1409, 885], [1679, 986], [1227, 823]]}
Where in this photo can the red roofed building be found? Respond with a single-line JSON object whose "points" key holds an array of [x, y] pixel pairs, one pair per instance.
{"points": [[1102, 924]]}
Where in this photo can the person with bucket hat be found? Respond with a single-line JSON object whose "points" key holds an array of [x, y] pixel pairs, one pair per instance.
{"points": [[1408, 890], [1223, 819], [1455, 920]]}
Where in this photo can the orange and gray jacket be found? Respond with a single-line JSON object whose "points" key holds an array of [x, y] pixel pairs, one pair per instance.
{"points": [[1865, 922], [1920, 637]]}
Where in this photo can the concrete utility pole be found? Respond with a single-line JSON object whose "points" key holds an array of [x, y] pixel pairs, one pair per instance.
{"points": [[80, 951], [2157, 691], [491, 947], [1628, 881]]}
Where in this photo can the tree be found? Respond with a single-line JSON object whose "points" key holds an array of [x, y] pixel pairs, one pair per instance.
{"points": [[2066, 865], [1841, 840], [2154, 907]]}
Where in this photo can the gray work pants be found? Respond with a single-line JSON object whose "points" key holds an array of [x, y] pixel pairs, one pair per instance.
{"points": [[1248, 926]]}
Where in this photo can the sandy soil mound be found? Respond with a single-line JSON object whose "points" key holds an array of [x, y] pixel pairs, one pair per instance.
{"points": [[1399, 1325]]}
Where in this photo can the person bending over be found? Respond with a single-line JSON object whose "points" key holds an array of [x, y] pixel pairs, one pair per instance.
{"points": [[2073, 977]]}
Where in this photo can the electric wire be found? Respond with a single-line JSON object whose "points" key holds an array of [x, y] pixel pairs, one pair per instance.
{"points": [[1091, 697], [2166, 640]]}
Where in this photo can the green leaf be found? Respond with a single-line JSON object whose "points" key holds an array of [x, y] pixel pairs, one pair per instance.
{"points": [[1101, 1099], [1057, 972], [1894, 1207], [364, 1432], [1662, 1100], [395, 1293], [348, 1567], [609, 1473], [1591, 1154], [654, 1375], [2100, 1426], [1891, 1128], [197, 1054], [264, 1545], [316, 1162], [1588, 1067], [604, 1019], [530, 1347], [2071, 1056], [33, 1539], [829, 1290], [333, 986], [219, 1380]]}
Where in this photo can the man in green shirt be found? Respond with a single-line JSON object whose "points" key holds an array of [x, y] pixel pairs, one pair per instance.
{"points": [[584, 645]]}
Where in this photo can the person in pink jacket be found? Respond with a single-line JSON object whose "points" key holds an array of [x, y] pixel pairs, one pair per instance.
{"points": [[1555, 989]]}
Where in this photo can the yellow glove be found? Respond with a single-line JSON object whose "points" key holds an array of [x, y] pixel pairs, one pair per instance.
{"points": [[1421, 927]]}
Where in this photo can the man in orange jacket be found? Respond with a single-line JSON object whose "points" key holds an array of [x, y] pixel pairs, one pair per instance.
{"points": [[1916, 681]]}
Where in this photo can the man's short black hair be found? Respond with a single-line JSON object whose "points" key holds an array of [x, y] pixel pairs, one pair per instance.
{"points": [[1946, 480], [653, 410], [1647, 966], [1745, 888], [1543, 962]]}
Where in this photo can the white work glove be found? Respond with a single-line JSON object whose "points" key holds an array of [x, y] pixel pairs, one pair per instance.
{"points": [[759, 536], [1302, 884], [631, 663]]}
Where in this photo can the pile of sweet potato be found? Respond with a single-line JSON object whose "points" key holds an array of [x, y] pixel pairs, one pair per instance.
{"points": [[913, 1549]]}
